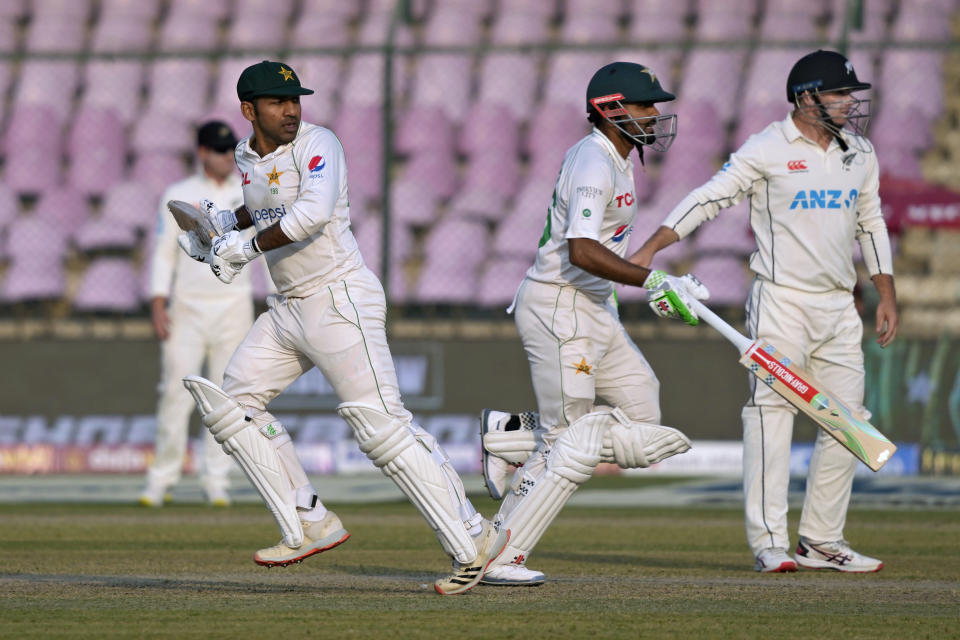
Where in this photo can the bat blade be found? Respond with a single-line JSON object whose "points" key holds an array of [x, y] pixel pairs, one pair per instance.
{"points": [[189, 218], [807, 394]]}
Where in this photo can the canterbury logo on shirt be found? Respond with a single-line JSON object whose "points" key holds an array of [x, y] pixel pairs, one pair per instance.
{"points": [[823, 199]]}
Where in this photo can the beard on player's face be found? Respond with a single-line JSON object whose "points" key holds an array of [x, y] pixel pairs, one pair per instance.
{"points": [[278, 118]]}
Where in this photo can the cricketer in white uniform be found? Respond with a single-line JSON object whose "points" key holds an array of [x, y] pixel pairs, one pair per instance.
{"points": [[566, 314], [330, 313], [197, 318], [813, 190]]}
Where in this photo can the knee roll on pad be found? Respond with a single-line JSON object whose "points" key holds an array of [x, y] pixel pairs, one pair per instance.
{"points": [[513, 446], [264, 452], [412, 458], [637, 445]]}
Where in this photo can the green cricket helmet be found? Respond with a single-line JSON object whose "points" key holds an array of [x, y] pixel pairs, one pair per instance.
{"points": [[622, 82]]}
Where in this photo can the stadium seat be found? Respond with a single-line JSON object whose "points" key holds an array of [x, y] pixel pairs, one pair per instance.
{"points": [[727, 234], [343, 10], [554, 128], [96, 148], [656, 27], [100, 234], [730, 26], [513, 27], [499, 281], [33, 236], [754, 118], [318, 29], [131, 204], [456, 244], [54, 33], [8, 37], [412, 203], [251, 30], [518, 234], [157, 170], [51, 83], [281, 8], [63, 207], [912, 81], [33, 147], [489, 128], [322, 73], [443, 80], [146, 10], [713, 76], [922, 22], [701, 126], [113, 84], [363, 80], [590, 28], [162, 132], [189, 32], [452, 26], [436, 173], [215, 9], [121, 33], [179, 87], [32, 277], [225, 83], [9, 206], [424, 128], [446, 284], [567, 76], [509, 79], [108, 284]]}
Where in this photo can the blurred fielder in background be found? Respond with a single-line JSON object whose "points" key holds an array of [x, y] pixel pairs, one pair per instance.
{"points": [[567, 318], [813, 182], [330, 312], [197, 319]]}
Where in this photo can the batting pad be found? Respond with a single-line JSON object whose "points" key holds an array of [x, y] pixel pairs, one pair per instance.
{"points": [[265, 454], [513, 446], [570, 463], [411, 457], [637, 445]]}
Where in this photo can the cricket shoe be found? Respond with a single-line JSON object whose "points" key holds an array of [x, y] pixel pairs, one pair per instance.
{"points": [[774, 560], [318, 537], [218, 498], [154, 496], [491, 541], [834, 555], [513, 574]]}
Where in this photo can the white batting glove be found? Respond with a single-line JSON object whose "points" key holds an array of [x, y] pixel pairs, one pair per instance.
{"points": [[193, 247], [225, 271], [223, 220], [669, 296], [695, 288], [231, 247]]}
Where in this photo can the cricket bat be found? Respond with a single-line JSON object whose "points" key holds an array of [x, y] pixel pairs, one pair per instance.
{"points": [[803, 391]]}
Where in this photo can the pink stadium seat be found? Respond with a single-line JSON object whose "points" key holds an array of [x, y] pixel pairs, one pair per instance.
{"points": [[8, 35], [443, 80], [131, 204], [332, 28], [179, 87], [555, 128], [455, 244], [34, 277], [162, 132], [732, 26], [32, 236], [493, 171], [51, 83], [729, 234], [98, 234], [115, 85], [590, 28], [518, 234], [250, 30], [96, 148], [755, 118], [456, 285], [215, 9], [282, 8], [914, 82], [363, 80], [146, 10], [424, 128], [9, 206], [645, 8], [451, 27], [343, 10], [812, 9], [78, 10], [62, 207], [434, 172], [656, 26], [188, 32], [568, 73], [489, 128], [500, 280], [14, 9], [33, 147], [54, 33], [108, 284], [512, 28], [360, 129], [121, 33], [411, 203], [509, 79], [701, 126], [713, 76], [157, 170], [726, 277], [787, 26], [925, 24]]}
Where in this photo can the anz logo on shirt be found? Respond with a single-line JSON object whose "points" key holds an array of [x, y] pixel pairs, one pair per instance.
{"points": [[823, 199]]}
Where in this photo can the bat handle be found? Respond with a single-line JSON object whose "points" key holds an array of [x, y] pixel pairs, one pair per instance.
{"points": [[740, 341]]}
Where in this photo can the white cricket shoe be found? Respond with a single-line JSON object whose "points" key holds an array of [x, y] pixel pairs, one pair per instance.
{"points": [[317, 537], [218, 498], [513, 574], [491, 541], [774, 560], [154, 496], [496, 471], [834, 555]]}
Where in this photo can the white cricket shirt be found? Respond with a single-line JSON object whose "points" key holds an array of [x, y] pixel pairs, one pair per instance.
{"points": [[807, 207], [595, 198], [174, 274], [303, 184]]}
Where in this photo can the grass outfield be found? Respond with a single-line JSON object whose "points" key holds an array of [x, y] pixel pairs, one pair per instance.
{"points": [[101, 571]]}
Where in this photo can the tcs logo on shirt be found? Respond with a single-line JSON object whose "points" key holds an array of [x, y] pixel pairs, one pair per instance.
{"points": [[624, 200], [823, 199]]}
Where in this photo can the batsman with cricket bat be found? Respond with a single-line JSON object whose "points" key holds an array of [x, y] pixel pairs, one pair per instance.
{"points": [[812, 180]]}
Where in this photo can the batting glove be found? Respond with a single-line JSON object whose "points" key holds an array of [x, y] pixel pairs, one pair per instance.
{"points": [[669, 296], [231, 247], [223, 220], [193, 247]]}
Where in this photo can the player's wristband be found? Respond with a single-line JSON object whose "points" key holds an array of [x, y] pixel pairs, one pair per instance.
{"points": [[254, 245]]}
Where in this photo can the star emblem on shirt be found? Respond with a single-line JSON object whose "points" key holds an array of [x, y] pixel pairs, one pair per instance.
{"points": [[286, 73], [583, 367], [274, 176]]}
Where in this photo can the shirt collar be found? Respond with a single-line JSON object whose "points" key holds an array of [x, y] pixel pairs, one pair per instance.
{"points": [[792, 134], [605, 142]]}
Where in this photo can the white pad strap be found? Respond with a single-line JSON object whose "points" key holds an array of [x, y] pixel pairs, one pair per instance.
{"points": [[265, 454], [637, 445], [412, 458], [540, 495]]}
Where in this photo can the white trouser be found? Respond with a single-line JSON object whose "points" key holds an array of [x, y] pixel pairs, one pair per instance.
{"points": [[209, 336], [821, 333]]}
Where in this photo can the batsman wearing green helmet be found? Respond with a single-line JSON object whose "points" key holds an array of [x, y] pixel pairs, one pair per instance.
{"points": [[597, 396]]}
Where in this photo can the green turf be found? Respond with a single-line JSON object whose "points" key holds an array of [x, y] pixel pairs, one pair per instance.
{"points": [[101, 571]]}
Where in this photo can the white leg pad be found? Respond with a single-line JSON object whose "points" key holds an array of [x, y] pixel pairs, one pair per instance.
{"points": [[636, 445], [569, 464], [413, 459], [513, 446], [265, 454]]}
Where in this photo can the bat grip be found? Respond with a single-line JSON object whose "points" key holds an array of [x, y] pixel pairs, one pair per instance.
{"points": [[740, 341]]}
